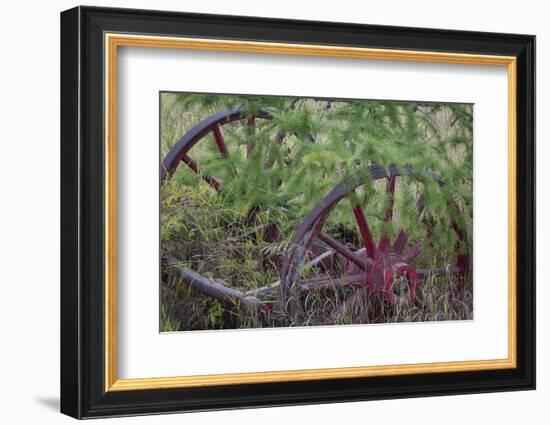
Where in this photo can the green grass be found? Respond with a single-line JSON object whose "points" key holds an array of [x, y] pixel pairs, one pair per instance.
{"points": [[222, 235]]}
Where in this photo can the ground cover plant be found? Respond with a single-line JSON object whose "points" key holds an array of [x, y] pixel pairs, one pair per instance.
{"points": [[282, 211]]}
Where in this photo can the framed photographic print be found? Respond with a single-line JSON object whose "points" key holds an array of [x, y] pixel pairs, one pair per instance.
{"points": [[261, 212]]}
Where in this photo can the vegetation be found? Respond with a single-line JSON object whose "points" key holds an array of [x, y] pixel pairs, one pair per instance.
{"points": [[299, 155]]}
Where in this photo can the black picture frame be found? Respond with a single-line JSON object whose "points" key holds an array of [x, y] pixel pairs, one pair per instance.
{"points": [[83, 392]]}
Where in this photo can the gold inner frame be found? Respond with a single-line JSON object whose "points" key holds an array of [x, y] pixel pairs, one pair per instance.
{"points": [[113, 41]]}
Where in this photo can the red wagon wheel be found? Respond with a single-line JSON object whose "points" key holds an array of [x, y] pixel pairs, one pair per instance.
{"points": [[210, 125], [213, 124], [181, 153], [372, 266]]}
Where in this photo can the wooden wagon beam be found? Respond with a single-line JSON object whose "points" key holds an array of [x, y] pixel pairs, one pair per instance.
{"points": [[213, 288]]}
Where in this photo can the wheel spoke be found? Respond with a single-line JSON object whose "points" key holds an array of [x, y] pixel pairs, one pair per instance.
{"points": [[343, 250], [298, 252], [194, 136], [461, 258], [400, 242], [384, 244], [364, 230], [412, 253], [390, 190], [218, 137], [420, 204], [193, 165], [251, 122]]}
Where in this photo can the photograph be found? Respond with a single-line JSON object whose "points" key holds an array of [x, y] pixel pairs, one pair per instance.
{"points": [[281, 211], [287, 210]]}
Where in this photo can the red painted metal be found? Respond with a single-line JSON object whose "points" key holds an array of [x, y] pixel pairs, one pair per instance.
{"points": [[400, 242], [384, 244], [375, 279], [396, 271], [413, 252]]}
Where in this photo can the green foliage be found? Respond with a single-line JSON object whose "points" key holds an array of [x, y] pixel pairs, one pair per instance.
{"points": [[299, 155], [325, 141]]}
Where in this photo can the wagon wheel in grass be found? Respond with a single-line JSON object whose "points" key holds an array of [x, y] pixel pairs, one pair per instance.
{"points": [[213, 125], [384, 267], [182, 152]]}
